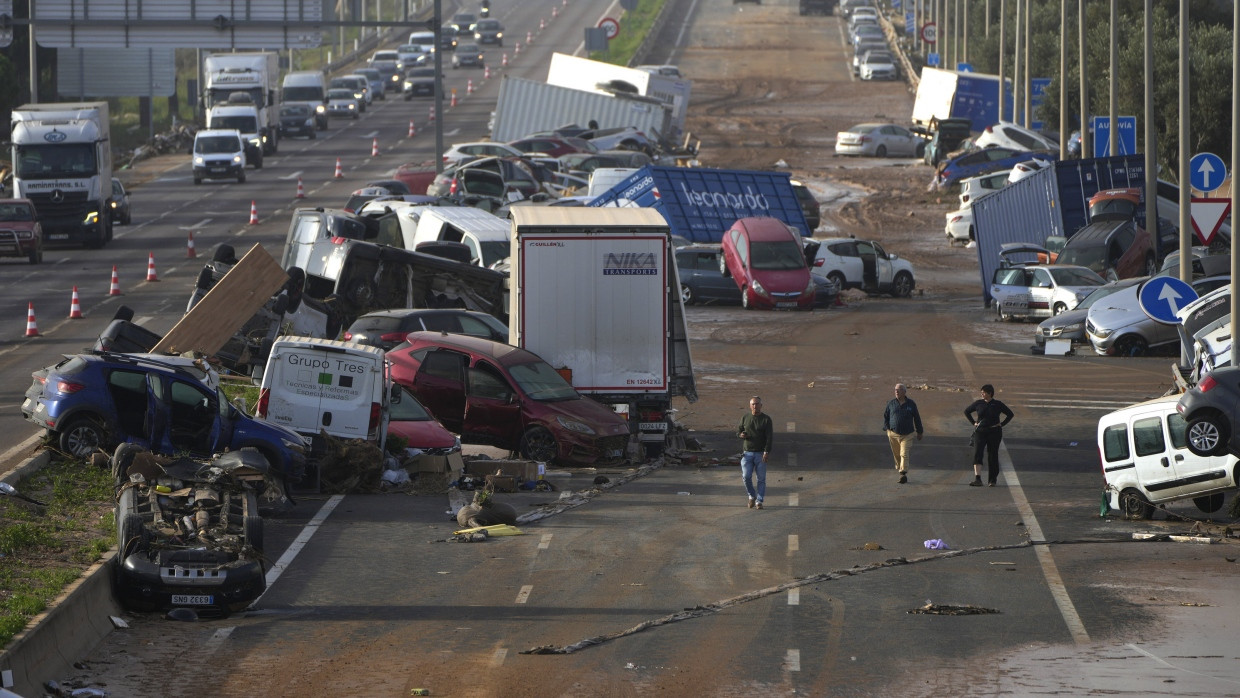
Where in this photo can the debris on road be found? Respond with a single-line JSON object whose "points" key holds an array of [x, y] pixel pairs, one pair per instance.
{"points": [[935, 609]]}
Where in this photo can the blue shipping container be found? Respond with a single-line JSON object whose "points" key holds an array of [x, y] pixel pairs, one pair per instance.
{"points": [[1053, 201], [700, 203], [977, 99]]}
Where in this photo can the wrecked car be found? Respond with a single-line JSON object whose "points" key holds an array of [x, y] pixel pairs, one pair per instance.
{"points": [[188, 531]]}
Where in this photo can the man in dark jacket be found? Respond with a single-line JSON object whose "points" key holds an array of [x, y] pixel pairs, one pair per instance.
{"points": [[900, 421], [757, 433]]}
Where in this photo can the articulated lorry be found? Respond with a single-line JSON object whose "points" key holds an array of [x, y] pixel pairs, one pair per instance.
{"points": [[240, 93], [526, 106], [62, 161], [595, 293]]}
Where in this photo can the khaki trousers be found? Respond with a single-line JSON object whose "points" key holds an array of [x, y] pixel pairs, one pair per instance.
{"points": [[901, 445]]}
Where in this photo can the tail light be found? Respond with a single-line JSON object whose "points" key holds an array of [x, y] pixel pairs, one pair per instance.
{"points": [[956, 218], [375, 411], [1207, 383], [264, 397], [68, 387], [338, 240], [348, 336], [41, 379], [393, 337], [818, 262]]}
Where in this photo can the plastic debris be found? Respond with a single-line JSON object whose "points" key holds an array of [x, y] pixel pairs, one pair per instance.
{"points": [[496, 530], [936, 544], [397, 476]]}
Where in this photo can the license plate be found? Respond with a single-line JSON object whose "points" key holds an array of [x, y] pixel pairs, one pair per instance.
{"points": [[217, 169], [58, 236], [8, 248], [615, 453], [192, 600], [785, 305]]}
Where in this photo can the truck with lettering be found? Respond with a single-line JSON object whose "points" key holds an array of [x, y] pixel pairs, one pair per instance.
{"points": [[595, 293], [947, 94], [62, 162], [700, 203], [240, 93]]}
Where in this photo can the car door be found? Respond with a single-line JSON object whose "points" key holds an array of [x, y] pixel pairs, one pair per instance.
{"points": [[845, 259], [1041, 291], [192, 414], [1010, 290], [492, 407], [439, 385], [901, 141], [882, 262], [869, 256], [1154, 457]]}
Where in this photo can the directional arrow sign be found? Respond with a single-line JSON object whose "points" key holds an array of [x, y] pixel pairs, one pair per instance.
{"points": [[1206, 172], [1162, 297], [1207, 215]]}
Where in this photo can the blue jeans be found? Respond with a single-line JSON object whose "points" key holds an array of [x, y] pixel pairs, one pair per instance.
{"points": [[751, 464]]}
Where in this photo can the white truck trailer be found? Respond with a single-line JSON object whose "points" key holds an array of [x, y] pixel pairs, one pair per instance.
{"points": [[256, 116]]}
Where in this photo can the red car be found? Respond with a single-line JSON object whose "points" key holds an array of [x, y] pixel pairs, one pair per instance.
{"points": [[500, 395], [20, 232], [408, 419], [765, 258]]}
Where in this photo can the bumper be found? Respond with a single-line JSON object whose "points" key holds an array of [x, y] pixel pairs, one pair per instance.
{"points": [[210, 589], [299, 130], [218, 171]]}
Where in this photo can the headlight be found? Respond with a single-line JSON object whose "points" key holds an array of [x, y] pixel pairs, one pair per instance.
{"points": [[353, 106], [236, 159], [320, 109], [91, 218], [574, 425], [115, 204], [1102, 333], [499, 35], [1074, 327], [758, 289], [197, 159]]}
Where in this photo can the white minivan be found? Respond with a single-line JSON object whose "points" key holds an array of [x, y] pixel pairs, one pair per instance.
{"points": [[1146, 461], [341, 388], [487, 236]]}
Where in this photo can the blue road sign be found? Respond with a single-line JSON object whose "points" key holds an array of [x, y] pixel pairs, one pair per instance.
{"points": [[964, 67], [1206, 172], [932, 59], [1102, 136], [910, 22], [1162, 296], [895, 4], [1037, 95]]}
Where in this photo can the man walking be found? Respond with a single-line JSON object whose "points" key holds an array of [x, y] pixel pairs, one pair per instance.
{"points": [[758, 433], [901, 420]]}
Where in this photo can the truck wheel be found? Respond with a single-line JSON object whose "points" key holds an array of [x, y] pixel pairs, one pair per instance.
{"points": [[82, 436], [538, 444]]}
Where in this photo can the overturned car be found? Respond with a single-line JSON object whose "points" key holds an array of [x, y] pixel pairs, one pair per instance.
{"points": [[188, 531]]}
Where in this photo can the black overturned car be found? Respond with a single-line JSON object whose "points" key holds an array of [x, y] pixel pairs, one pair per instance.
{"points": [[189, 534]]}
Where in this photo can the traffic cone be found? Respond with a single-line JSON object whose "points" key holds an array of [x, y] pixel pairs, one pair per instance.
{"points": [[339, 171], [432, 114], [115, 288], [301, 192], [452, 103], [516, 50], [190, 252], [542, 24], [529, 39], [374, 147], [413, 131], [75, 306], [504, 60], [150, 268], [452, 187], [555, 12], [486, 72], [253, 213], [32, 330], [469, 86]]}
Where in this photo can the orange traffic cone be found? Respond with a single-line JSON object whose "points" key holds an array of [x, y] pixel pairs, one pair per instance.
{"points": [[150, 268], [452, 103], [253, 213], [190, 252], [115, 288], [555, 12], [339, 171], [75, 306], [504, 60], [542, 24], [516, 50], [431, 116], [469, 86], [486, 72], [529, 39], [374, 147], [32, 329], [452, 187], [301, 193], [412, 131]]}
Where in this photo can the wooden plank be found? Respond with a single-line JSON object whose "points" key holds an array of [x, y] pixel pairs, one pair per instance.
{"points": [[226, 307]]}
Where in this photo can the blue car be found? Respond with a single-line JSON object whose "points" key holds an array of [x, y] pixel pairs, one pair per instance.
{"points": [[983, 161], [168, 404]]}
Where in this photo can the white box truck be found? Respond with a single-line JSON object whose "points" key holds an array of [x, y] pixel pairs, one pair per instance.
{"points": [[62, 161], [240, 93], [604, 78], [595, 293]]}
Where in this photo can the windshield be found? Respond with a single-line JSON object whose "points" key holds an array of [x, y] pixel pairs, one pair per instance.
{"points": [[214, 145], [541, 382], [494, 251], [303, 94], [61, 160], [1076, 277], [340, 94], [1100, 293], [1092, 256], [15, 212], [777, 256], [244, 124], [408, 409]]}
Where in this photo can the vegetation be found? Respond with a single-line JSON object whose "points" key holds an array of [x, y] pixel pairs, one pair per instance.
{"points": [[634, 26]]}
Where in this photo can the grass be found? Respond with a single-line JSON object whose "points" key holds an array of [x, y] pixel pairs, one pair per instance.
{"points": [[634, 26]]}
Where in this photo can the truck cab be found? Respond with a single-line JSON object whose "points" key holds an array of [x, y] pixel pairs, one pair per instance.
{"points": [[241, 93], [240, 114]]}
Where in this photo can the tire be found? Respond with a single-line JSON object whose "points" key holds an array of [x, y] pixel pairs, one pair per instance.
{"points": [[1207, 435], [723, 268], [36, 257], [1131, 345], [258, 161], [82, 436], [252, 522], [745, 299], [355, 116], [838, 278], [1059, 309], [538, 444], [360, 291], [880, 151], [686, 295], [902, 285], [131, 536], [122, 458], [920, 152], [198, 180], [1134, 505], [1000, 315], [1209, 503]]}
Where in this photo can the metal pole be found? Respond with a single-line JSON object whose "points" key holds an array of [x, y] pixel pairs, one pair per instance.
{"points": [[1018, 89], [1026, 84], [1086, 137], [986, 20], [1002, 50], [965, 44], [1113, 104], [1235, 162], [439, 115], [34, 61], [956, 32], [1151, 136], [1063, 81], [1186, 257]]}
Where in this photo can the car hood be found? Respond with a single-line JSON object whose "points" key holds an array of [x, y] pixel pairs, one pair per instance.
{"points": [[1119, 309], [594, 414], [422, 434], [1070, 317], [784, 281]]}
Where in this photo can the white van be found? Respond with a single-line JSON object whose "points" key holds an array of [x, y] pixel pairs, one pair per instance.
{"points": [[308, 87], [487, 236], [603, 179], [1146, 461], [341, 388], [425, 41]]}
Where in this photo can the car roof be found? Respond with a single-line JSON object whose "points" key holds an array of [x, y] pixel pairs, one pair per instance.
{"points": [[497, 351], [1094, 233]]}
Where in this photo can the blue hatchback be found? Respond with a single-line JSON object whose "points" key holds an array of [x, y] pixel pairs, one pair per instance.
{"points": [[169, 404], [983, 161]]}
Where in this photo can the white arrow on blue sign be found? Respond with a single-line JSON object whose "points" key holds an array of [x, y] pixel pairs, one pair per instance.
{"points": [[1162, 297], [1206, 171]]}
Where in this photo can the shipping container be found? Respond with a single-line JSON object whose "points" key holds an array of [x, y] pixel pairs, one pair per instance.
{"points": [[527, 106], [944, 94], [596, 76]]}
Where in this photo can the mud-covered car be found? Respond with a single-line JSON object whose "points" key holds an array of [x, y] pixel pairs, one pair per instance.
{"points": [[188, 531]]}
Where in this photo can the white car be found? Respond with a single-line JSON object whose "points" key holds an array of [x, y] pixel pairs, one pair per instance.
{"points": [[1025, 169], [959, 225], [878, 65], [460, 152], [1010, 135], [862, 264], [1041, 290], [880, 141], [974, 187]]}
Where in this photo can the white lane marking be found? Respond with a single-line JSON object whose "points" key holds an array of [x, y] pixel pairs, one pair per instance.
{"points": [[200, 224], [143, 319], [794, 596], [794, 500], [792, 460], [1169, 665], [792, 426], [292, 175], [372, 134], [792, 661], [219, 636], [300, 541], [545, 542], [498, 658], [524, 594], [794, 542]]}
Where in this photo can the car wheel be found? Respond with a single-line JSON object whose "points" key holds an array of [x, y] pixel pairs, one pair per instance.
{"points": [[880, 151], [1000, 315], [127, 219], [1060, 308], [538, 444], [902, 286], [1210, 503], [1134, 505], [252, 522], [686, 295], [131, 536], [1131, 345], [258, 161], [723, 267], [838, 279], [1207, 435], [82, 436], [360, 291]]}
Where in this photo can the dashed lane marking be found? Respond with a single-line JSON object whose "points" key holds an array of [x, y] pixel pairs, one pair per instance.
{"points": [[524, 594]]}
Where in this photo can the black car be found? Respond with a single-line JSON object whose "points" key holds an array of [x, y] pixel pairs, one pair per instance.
{"points": [[809, 205], [120, 203], [468, 56], [297, 120], [700, 279], [489, 31], [388, 328], [1209, 411], [420, 82]]}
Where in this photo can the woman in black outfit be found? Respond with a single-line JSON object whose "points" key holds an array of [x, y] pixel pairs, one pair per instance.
{"points": [[988, 416]]}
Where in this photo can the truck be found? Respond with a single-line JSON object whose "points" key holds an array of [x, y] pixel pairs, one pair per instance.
{"points": [[595, 293], [699, 203], [607, 78], [527, 106], [946, 94], [62, 162], [240, 93]]}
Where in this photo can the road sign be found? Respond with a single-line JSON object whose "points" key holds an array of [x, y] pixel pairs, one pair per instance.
{"points": [[932, 59], [609, 25], [1037, 95], [1206, 172], [1162, 296], [1207, 215], [964, 67], [1102, 136], [928, 32], [910, 22]]}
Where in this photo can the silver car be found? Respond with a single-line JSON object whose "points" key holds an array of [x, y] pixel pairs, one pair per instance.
{"points": [[1070, 325], [880, 141], [1117, 326], [1041, 290]]}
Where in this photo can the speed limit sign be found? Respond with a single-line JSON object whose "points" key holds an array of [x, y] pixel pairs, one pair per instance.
{"points": [[929, 32], [610, 26]]}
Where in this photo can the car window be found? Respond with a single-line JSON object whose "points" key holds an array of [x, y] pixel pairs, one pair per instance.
{"points": [[1115, 443], [778, 256], [1041, 279], [1177, 428], [541, 382], [441, 363], [1023, 139], [1013, 276], [485, 381], [843, 249], [475, 327], [1147, 437], [742, 247]]}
